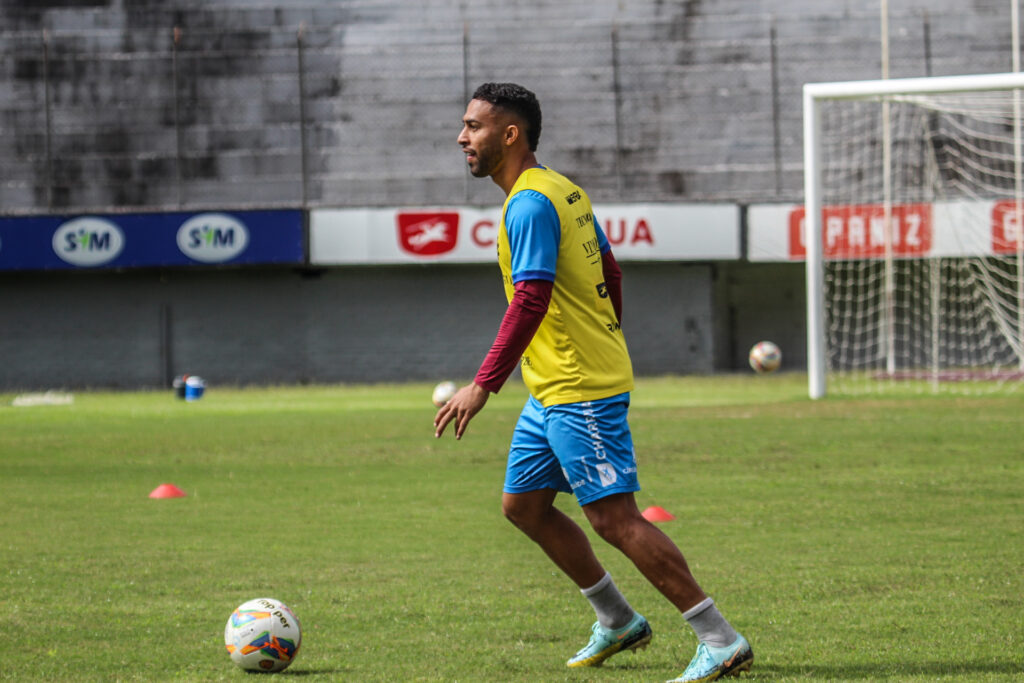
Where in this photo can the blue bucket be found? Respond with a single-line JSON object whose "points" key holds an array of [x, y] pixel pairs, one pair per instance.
{"points": [[194, 388]]}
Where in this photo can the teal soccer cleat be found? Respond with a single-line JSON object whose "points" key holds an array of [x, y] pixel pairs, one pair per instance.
{"points": [[604, 643], [712, 663]]}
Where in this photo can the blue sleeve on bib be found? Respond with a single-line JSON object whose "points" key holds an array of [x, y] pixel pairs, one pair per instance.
{"points": [[534, 233], [602, 241]]}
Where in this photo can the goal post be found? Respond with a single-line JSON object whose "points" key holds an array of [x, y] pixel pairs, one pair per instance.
{"points": [[912, 231]]}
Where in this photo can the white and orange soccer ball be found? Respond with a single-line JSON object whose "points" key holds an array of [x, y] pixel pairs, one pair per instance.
{"points": [[765, 357], [263, 635]]}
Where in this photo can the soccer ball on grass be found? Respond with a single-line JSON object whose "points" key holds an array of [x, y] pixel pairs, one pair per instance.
{"points": [[765, 357], [263, 635]]}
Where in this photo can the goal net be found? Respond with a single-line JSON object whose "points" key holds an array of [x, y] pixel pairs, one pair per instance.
{"points": [[912, 225]]}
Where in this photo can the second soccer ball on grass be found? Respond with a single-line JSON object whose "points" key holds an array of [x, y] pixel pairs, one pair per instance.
{"points": [[765, 357]]}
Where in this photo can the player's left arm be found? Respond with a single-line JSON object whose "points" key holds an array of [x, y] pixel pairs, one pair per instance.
{"points": [[467, 402], [523, 316], [534, 231]]}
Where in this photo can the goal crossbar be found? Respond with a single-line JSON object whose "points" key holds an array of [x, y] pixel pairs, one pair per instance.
{"points": [[912, 86]]}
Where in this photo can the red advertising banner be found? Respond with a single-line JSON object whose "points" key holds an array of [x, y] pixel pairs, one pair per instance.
{"points": [[428, 234], [858, 231], [1006, 230]]}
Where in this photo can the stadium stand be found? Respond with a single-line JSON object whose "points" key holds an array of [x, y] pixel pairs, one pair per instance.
{"points": [[165, 104], [158, 105]]}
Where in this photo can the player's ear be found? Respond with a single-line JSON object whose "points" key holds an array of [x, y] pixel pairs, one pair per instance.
{"points": [[512, 133]]}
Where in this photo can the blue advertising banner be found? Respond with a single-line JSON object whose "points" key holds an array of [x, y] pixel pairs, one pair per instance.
{"points": [[151, 239]]}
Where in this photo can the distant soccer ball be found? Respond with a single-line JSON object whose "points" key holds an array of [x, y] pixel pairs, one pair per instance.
{"points": [[765, 357], [263, 635], [443, 393]]}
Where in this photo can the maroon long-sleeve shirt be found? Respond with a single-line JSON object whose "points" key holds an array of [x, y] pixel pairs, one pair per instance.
{"points": [[523, 316]]}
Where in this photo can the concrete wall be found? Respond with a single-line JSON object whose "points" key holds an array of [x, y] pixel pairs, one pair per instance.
{"points": [[104, 106], [762, 301], [373, 324]]}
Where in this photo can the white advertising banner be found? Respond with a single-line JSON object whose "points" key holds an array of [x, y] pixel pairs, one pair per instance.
{"points": [[776, 232], [637, 232]]}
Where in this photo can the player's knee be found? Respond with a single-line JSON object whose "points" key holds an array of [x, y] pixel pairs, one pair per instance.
{"points": [[520, 515], [528, 513], [612, 524], [610, 529]]}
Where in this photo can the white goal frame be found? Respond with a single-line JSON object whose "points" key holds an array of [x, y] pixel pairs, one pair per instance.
{"points": [[813, 95]]}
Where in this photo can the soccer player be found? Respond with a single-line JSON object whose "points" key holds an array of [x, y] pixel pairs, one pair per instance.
{"points": [[563, 320]]}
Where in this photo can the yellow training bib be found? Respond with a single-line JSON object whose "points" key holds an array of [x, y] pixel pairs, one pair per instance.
{"points": [[579, 352]]}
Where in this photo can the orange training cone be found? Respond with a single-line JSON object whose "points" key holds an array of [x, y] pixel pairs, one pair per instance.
{"points": [[656, 513], [167, 491]]}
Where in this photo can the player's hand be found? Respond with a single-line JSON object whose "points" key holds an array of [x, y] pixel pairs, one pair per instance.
{"points": [[466, 403]]}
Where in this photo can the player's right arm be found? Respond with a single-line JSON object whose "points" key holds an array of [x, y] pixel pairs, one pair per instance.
{"points": [[612, 272]]}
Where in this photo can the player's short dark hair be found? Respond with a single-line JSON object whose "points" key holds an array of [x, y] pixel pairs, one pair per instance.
{"points": [[517, 100]]}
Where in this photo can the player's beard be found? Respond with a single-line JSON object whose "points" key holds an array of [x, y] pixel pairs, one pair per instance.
{"points": [[488, 158]]}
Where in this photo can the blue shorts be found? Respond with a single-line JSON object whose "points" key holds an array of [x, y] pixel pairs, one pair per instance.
{"points": [[583, 448]]}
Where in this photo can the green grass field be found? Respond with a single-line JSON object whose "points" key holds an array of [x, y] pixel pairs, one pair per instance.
{"points": [[848, 539]]}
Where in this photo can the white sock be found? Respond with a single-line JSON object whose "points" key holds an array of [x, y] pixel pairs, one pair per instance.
{"points": [[612, 609], [709, 624]]}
